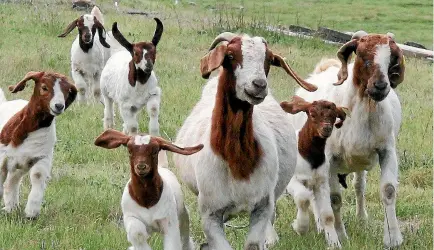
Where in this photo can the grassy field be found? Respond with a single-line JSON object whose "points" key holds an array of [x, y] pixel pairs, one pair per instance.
{"points": [[82, 201]]}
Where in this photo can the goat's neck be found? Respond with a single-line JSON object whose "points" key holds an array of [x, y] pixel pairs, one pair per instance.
{"points": [[310, 145], [31, 118], [146, 191], [232, 135], [137, 74]]}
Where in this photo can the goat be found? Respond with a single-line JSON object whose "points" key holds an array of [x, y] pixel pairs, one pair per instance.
{"points": [[249, 150], [28, 135], [88, 56], [129, 80], [310, 180], [369, 136], [152, 199]]}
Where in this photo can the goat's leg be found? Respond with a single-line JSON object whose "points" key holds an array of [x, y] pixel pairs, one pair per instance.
{"points": [[108, 112], [184, 228], [172, 236], [388, 189], [129, 115], [80, 83], [259, 219], [12, 189], [359, 183], [212, 223], [323, 205], [136, 234], [153, 109], [96, 87], [39, 175], [302, 197], [271, 237], [3, 174], [336, 202]]}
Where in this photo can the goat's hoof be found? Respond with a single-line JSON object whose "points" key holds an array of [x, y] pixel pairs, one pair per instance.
{"points": [[393, 240], [252, 246], [10, 209], [204, 246], [300, 229]]}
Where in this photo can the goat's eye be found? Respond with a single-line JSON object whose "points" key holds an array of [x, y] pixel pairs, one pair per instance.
{"points": [[231, 57], [44, 88]]}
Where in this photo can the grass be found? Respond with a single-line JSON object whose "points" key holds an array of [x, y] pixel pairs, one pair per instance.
{"points": [[82, 201]]}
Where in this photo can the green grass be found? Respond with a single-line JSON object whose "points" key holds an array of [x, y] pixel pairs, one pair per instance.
{"points": [[82, 201]]}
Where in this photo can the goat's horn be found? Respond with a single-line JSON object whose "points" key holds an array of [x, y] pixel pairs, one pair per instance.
{"points": [[225, 36], [359, 34]]}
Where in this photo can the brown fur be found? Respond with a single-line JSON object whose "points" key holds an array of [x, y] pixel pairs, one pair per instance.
{"points": [[36, 114], [146, 185]]}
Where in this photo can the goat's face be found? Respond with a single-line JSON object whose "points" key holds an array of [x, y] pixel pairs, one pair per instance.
{"points": [[143, 149], [379, 65], [248, 59], [144, 56], [322, 114], [53, 92]]}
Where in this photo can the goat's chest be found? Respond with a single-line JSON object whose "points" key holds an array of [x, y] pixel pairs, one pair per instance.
{"points": [[309, 177]]}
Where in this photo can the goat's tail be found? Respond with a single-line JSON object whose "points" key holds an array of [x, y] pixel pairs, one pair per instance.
{"points": [[2, 96], [324, 64]]}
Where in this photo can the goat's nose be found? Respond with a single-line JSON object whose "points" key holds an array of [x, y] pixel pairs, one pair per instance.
{"points": [[59, 106], [380, 85], [328, 129], [141, 166], [260, 83]]}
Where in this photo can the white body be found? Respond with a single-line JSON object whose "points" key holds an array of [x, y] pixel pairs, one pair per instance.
{"points": [[309, 184], [209, 176], [116, 88], [168, 217], [14, 162], [366, 138]]}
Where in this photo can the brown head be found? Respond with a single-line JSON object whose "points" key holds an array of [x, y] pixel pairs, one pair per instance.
{"points": [[321, 114], [249, 60], [379, 64], [143, 149], [143, 53], [87, 26], [53, 93]]}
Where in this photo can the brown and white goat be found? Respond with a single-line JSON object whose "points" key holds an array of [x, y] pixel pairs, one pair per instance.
{"points": [[310, 180], [89, 53], [249, 150], [152, 200], [369, 136], [28, 135]]}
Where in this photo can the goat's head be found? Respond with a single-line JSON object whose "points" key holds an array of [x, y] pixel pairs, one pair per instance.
{"points": [[87, 26], [53, 92], [143, 149], [379, 64], [322, 114], [143, 53], [249, 60]]}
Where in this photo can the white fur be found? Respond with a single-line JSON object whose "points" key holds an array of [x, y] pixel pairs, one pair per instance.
{"points": [[115, 87], [2, 96], [355, 147], [142, 140], [58, 98], [169, 217], [313, 184], [14, 162], [208, 175], [90, 63]]}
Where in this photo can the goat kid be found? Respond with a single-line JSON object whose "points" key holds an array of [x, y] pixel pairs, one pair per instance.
{"points": [[89, 53], [152, 200], [310, 180], [28, 135]]}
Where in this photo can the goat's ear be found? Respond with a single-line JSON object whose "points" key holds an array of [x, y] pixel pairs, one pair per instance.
{"points": [[296, 105], [121, 39], [212, 60], [342, 115], [112, 139], [71, 95], [344, 54], [158, 32], [279, 61], [70, 28], [166, 145], [397, 68], [101, 33], [32, 75]]}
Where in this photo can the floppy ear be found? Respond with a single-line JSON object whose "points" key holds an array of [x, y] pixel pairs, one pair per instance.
{"points": [[166, 145], [112, 139], [101, 33], [68, 29], [296, 105], [121, 39], [278, 61], [397, 69], [342, 115], [212, 60], [71, 95], [344, 54], [35, 76]]}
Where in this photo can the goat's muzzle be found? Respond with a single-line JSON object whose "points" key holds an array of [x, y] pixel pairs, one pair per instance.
{"points": [[256, 91], [142, 169], [325, 130]]}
